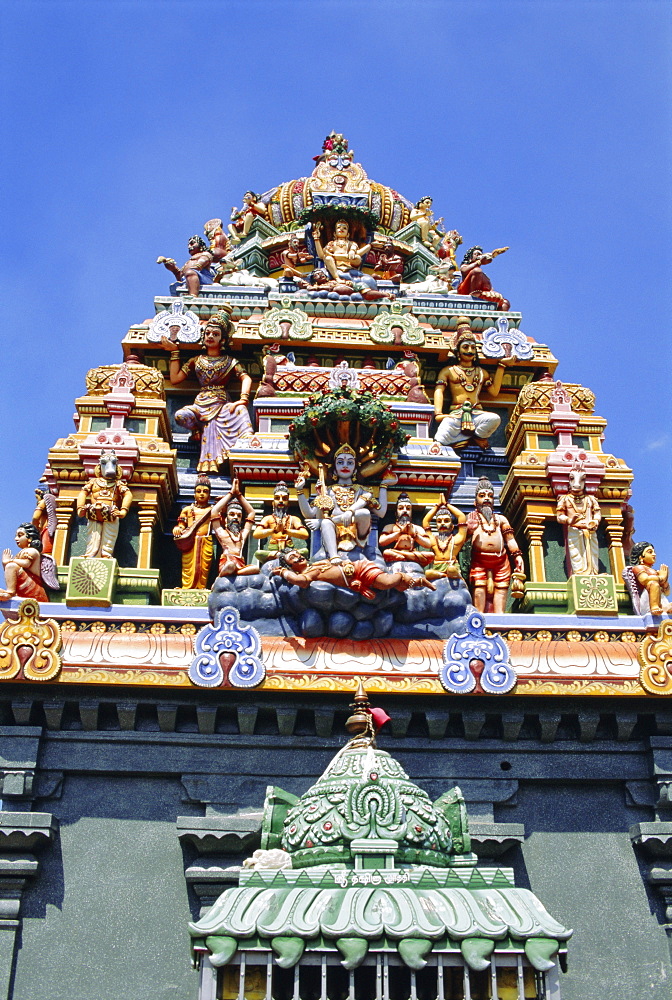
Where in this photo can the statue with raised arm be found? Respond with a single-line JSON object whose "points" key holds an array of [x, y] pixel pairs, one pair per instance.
{"points": [[466, 382], [29, 570], [399, 541], [44, 516], [448, 539], [219, 420], [193, 537], [580, 513], [493, 545], [475, 281], [195, 272], [342, 512], [342, 256], [104, 501], [281, 528], [232, 520]]}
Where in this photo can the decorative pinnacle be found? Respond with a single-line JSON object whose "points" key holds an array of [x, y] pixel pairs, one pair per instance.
{"points": [[360, 720]]}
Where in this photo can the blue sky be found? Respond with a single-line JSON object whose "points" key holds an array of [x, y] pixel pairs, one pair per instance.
{"points": [[544, 126]]}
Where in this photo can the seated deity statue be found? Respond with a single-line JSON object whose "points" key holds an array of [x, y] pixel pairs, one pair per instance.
{"points": [[404, 541], [390, 264], [195, 272], [242, 219], [281, 528], [466, 381], [27, 572], [294, 257], [475, 281], [342, 513], [651, 584], [342, 256], [422, 215]]}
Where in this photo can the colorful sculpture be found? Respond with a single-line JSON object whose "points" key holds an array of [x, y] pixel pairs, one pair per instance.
{"points": [[447, 541], [475, 281], [195, 272], [467, 382], [280, 527], [293, 257], [193, 537], [242, 219], [232, 532], [390, 265], [422, 214], [44, 516], [399, 541], [342, 256], [410, 366], [363, 576], [28, 571], [104, 501], [220, 422], [580, 513], [320, 285], [651, 584], [342, 513], [492, 546]]}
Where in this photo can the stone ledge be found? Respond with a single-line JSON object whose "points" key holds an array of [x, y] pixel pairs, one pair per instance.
{"points": [[233, 834], [655, 839], [490, 840], [26, 831]]}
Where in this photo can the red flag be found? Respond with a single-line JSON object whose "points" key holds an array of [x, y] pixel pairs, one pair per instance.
{"points": [[380, 717]]}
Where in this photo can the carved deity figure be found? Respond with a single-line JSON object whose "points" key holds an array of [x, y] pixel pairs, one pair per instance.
{"points": [[652, 584], [410, 366], [320, 285], [44, 516], [293, 257], [363, 576], [580, 513], [399, 541], [104, 501], [273, 363], [193, 536], [342, 512], [448, 539], [280, 527], [195, 272], [467, 382], [475, 281], [422, 214], [242, 219], [390, 265], [220, 421], [492, 546], [232, 532], [342, 256], [28, 571]]}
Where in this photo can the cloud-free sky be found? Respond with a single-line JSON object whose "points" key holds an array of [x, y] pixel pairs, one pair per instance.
{"points": [[544, 126]]}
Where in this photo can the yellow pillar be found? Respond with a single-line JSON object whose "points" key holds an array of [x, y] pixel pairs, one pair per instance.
{"points": [[534, 530], [64, 512], [147, 516]]}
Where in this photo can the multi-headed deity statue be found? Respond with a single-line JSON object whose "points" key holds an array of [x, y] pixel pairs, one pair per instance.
{"points": [[281, 528], [580, 513], [195, 272], [232, 520], [399, 541], [363, 576], [44, 516], [220, 421], [652, 584], [193, 537], [493, 545], [242, 218], [104, 501], [467, 382], [475, 281], [342, 512], [448, 539], [422, 215], [27, 572]]}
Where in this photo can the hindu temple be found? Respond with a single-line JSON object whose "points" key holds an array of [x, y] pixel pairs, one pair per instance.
{"points": [[333, 463]]}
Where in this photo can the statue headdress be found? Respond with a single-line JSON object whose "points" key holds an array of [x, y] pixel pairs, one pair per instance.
{"points": [[345, 449]]}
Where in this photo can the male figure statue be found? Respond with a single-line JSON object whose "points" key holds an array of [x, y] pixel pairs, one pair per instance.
{"points": [[362, 576], [447, 540], [398, 541], [231, 532], [467, 382], [580, 513], [492, 546], [280, 527]]}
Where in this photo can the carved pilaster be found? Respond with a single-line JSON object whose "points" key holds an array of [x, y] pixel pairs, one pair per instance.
{"points": [[614, 526], [65, 507], [534, 531], [147, 516]]}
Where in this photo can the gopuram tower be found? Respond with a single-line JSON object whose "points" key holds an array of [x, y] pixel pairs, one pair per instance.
{"points": [[334, 460]]}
